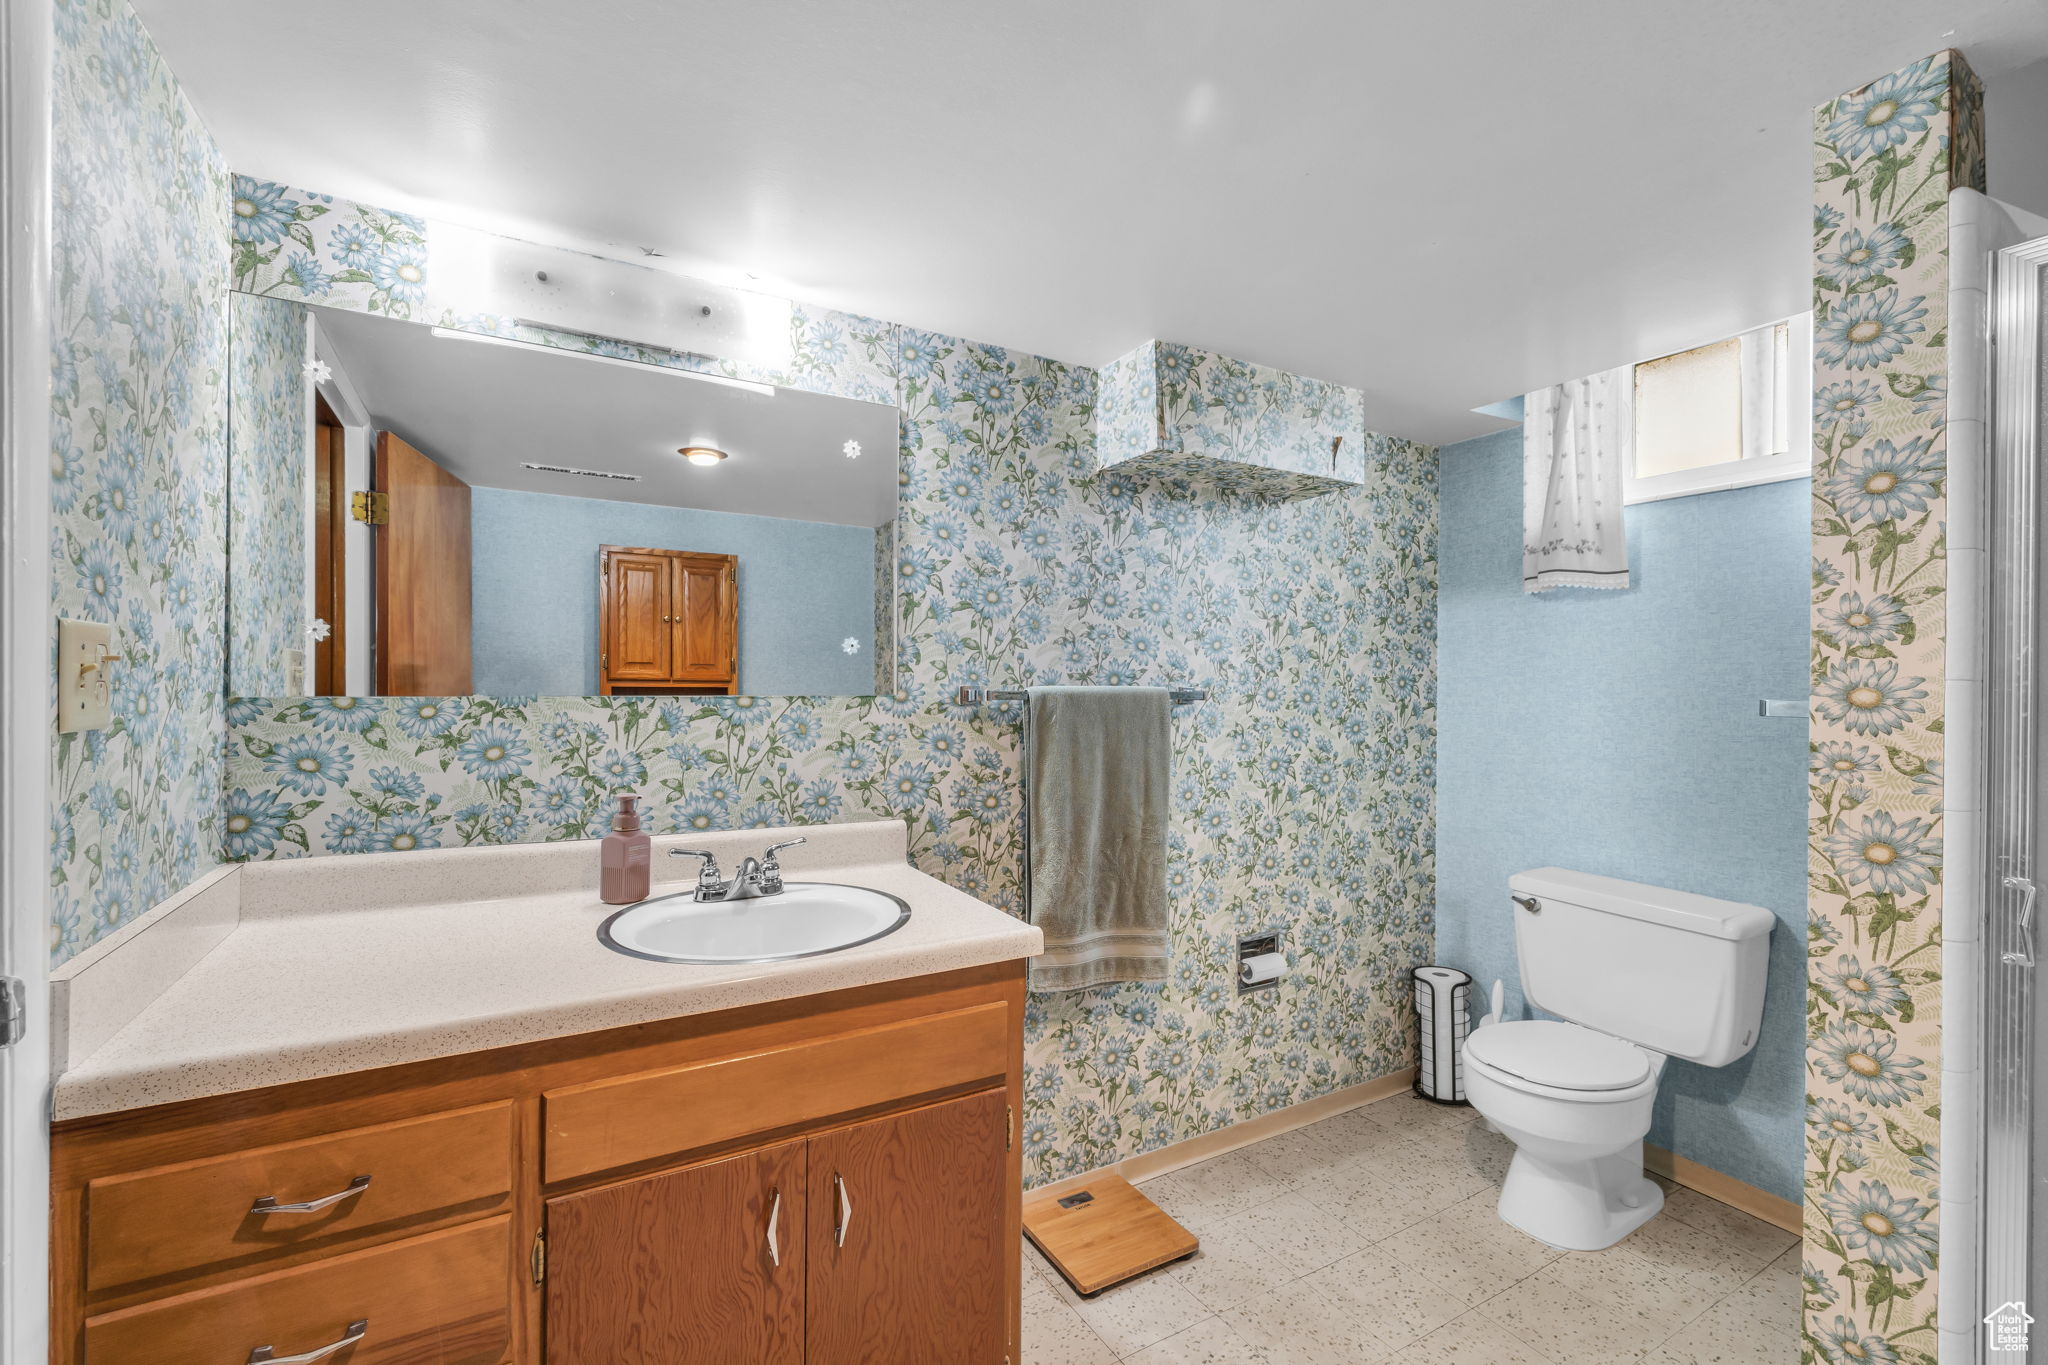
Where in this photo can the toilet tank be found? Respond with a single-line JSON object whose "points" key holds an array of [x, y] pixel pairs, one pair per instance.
{"points": [[1677, 973]]}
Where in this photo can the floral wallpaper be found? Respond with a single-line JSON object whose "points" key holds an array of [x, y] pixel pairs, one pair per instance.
{"points": [[268, 446], [137, 463], [294, 244], [1886, 158], [1303, 791], [1173, 411]]}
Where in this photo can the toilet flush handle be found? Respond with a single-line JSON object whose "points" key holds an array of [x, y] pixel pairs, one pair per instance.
{"points": [[1529, 903]]}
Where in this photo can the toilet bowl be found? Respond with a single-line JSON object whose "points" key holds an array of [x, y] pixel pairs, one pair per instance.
{"points": [[1637, 974], [1576, 1104]]}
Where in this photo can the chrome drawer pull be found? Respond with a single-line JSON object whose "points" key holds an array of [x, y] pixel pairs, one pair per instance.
{"points": [[263, 1355], [774, 1222], [267, 1204], [845, 1219]]}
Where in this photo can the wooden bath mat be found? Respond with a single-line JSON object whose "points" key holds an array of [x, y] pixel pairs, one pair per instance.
{"points": [[1104, 1233]]}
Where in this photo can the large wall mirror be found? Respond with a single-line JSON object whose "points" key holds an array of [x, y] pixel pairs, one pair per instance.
{"points": [[543, 522]]}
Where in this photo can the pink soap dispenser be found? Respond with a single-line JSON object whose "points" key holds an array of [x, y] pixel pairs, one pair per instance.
{"points": [[625, 855]]}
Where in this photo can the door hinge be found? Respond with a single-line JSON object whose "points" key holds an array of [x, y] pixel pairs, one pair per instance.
{"points": [[13, 1010], [370, 508], [539, 1258], [604, 660], [1009, 1126]]}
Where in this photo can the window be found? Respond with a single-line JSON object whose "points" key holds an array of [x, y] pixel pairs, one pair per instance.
{"points": [[1724, 415]]}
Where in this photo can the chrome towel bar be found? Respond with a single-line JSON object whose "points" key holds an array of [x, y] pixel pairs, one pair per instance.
{"points": [[975, 696]]}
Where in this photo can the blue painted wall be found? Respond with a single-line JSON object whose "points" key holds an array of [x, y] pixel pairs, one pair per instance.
{"points": [[1617, 733], [804, 587]]}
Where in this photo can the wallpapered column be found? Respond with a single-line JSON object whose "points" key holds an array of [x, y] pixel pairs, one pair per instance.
{"points": [[1886, 157], [1303, 792], [137, 468]]}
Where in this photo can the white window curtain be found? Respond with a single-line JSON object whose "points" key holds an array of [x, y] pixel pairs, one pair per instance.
{"points": [[1575, 451], [1767, 429]]}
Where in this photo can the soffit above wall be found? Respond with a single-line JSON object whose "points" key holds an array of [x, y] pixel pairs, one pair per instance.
{"points": [[1437, 204]]}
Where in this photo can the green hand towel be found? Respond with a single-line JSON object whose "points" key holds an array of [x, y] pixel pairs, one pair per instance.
{"points": [[1097, 764]]}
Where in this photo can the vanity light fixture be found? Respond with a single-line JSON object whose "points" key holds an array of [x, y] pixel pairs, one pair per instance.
{"points": [[702, 455], [851, 450], [456, 334]]}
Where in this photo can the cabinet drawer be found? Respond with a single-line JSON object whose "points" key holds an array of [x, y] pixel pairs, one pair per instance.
{"points": [[440, 1299], [618, 1122], [196, 1214]]}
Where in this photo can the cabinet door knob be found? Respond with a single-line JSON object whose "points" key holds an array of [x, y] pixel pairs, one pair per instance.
{"points": [[845, 1218], [267, 1355], [774, 1223]]}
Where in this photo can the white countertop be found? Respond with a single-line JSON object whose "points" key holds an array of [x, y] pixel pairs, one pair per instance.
{"points": [[338, 969]]}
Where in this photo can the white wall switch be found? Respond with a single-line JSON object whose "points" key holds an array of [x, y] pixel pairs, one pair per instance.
{"points": [[85, 662]]}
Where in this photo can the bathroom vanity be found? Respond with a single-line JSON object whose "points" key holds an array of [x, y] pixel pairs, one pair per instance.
{"points": [[385, 1157]]}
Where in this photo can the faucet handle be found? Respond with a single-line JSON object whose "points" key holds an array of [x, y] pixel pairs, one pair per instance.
{"points": [[708, 879], [771, 866]]}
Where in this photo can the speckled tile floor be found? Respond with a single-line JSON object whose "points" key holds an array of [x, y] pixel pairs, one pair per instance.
{"points": [[1372, 1237]]}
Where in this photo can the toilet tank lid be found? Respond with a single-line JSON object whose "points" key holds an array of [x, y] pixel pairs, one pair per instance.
{"points": [[1655, 904]]}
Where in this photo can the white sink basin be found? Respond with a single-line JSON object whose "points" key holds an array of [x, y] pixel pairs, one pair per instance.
{"points": [[806, 919]]}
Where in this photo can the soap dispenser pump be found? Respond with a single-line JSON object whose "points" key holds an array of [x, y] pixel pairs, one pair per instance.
{"points": [[625, 856]]}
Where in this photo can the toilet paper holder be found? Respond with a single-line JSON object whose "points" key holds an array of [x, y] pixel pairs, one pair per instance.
{"points": [[1253, 947]]}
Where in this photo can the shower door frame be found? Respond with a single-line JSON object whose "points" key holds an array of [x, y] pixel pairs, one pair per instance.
{"points": [[2015, 1160], [26, 707]]}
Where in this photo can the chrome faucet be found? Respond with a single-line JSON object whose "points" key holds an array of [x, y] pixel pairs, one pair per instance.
{"points": [[756, 876]]}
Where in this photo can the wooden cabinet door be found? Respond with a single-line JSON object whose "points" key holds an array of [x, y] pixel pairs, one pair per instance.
{"points": [[423, 569], [906, 1232], [702, 1266], [707, 619], [638, 638]]}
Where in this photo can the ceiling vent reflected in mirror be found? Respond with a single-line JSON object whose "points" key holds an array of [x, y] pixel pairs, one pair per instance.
{"points": [[581, 473]]}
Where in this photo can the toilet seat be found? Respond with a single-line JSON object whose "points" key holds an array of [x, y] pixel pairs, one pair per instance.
{"points": [[1546, 1055]]}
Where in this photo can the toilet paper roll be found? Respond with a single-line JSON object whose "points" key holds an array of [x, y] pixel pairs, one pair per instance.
{"points": [[1262, 967]]}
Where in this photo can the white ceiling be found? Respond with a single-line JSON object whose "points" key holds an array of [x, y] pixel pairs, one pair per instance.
{"points": [[481, 410], [1441, 203]]}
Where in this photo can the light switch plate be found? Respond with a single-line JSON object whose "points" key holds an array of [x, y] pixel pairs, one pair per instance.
{"points": [[83, 695]]}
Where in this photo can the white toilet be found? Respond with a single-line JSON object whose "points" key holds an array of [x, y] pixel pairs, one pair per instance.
{"points": [[1641, 973]]}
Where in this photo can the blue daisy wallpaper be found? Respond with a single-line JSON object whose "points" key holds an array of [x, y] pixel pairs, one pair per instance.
{"points": [[138, 468], [1886, 158], [269, 412]]}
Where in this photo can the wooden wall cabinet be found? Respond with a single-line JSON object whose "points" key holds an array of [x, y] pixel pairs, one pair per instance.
{"points": [[668, 622], [547, 1203]]}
